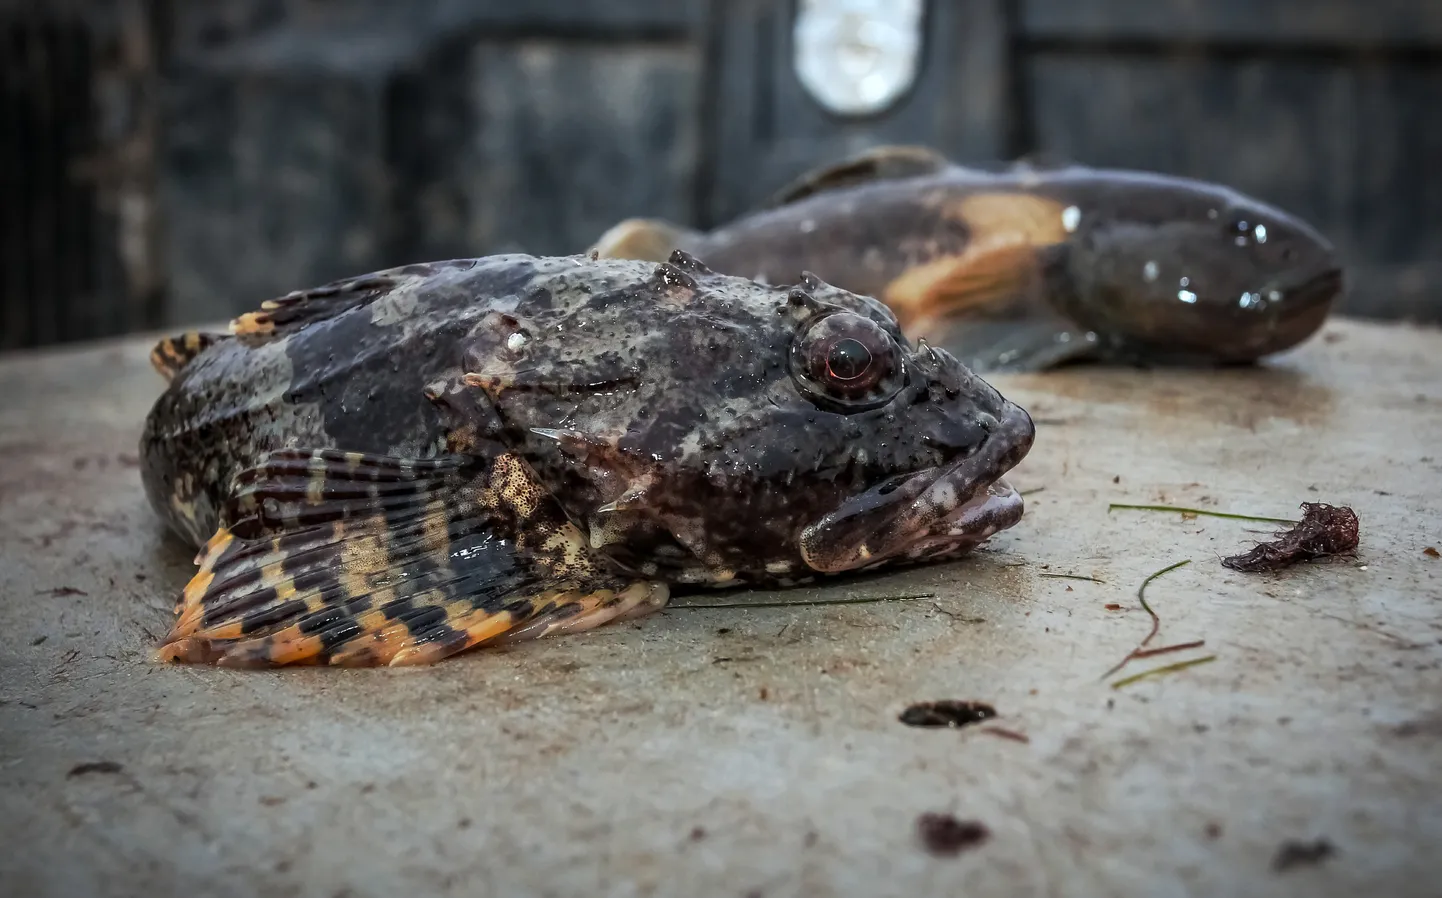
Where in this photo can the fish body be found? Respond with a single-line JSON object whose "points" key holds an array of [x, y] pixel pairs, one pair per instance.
{"points": [[397, 467], [1025, 267]]}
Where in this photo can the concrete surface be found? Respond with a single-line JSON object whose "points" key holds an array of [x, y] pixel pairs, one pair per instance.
{"points": [[757, 752]]}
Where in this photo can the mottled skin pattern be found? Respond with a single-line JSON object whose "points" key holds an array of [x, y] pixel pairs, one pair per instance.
{"points": [[1026, 267], [398, 467]]}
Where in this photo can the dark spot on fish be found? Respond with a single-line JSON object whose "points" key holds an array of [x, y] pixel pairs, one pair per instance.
{"points": [[94, 767], [946, 714], [945, 836], [1293, 853]]}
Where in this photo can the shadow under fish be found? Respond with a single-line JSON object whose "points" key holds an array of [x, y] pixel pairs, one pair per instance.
{"points": [[1031, 266]]}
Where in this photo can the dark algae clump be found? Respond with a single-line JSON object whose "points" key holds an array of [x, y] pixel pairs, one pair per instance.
{"points": [[1324, 530]]}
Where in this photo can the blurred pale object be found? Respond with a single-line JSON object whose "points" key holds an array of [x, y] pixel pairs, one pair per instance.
{"points": [[857, 57]]}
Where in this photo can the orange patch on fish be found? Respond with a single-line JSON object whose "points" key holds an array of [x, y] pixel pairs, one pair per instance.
{"points": [[998, 263]]}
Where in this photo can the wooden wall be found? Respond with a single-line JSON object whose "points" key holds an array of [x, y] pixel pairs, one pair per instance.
{"points": [[288, 142]]}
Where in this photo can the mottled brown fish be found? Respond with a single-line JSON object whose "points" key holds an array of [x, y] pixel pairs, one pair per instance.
{"points": [[394, 468], [1027, 267]]}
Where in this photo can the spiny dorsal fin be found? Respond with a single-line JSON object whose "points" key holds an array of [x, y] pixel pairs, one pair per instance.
{"points": [[173, 353], [882, 163], [294, 311]]}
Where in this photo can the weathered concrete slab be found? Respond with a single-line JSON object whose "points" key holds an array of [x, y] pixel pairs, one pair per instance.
{"points": [[757, 751]]}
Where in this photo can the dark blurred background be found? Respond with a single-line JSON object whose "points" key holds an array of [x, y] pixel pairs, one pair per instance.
{"points": [[176, 161]]}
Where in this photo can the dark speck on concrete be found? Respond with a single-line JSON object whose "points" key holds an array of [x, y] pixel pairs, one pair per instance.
{"points": [[1302, 854], [945, 836], [946, 714], [94, 767]]}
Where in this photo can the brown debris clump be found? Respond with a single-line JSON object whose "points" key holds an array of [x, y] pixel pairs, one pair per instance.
{"points": [[1324, 530]]}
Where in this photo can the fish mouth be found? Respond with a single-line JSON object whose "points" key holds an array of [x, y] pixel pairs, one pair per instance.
{"points": [[930, 514], [1317, 290], [1305, 304]]}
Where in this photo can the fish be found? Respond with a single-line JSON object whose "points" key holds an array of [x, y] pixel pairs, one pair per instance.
{"points": [[394, 468], [1033, 264]]}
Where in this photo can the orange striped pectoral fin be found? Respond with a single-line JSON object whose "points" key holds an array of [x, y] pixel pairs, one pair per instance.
{"points": [[309, 573], [978, 282]]}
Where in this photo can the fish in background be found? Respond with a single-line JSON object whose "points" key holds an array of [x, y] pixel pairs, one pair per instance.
{"points": [[1032, 265]]}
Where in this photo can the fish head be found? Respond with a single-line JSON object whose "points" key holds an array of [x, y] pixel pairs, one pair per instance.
{"points": [[704, 428], [1187, 265]]}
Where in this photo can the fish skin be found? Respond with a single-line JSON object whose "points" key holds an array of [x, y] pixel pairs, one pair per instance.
{"points": [[394, 468], [1026, 266]]}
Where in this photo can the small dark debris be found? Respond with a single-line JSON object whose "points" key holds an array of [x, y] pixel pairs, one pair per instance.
{"points": [[1113, 606], [368, 788], [128, 460], [1431, 552], [1213, 830], [271, 801], [39, 639], [763, 693], [945, 836], [946, 714], [1116, 478], [1324, 530], [311, 784], [94, 767], [1299, 854], [1423, 727], [723, 631], [811, 838], [698, 833], [64, 591]]}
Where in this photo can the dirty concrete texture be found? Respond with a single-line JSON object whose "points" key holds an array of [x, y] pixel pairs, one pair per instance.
{"points": [[758, 751]]}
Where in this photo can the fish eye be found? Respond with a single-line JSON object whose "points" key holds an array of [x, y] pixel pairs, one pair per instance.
{"points": [[847, 360]]}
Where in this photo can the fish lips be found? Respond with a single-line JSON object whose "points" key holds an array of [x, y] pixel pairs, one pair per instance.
{"points": [[933, 513]]}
